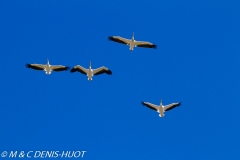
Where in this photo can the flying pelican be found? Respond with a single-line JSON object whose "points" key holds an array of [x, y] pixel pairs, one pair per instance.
{"points": [[47, 67], [131, 42], [90, 72], [161, 109]]}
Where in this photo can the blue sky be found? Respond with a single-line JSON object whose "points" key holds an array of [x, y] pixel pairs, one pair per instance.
{"points": [[196, 63]]}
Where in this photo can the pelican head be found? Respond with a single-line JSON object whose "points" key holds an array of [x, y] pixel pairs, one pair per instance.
{"points": [[90, 65], [47, 61]]}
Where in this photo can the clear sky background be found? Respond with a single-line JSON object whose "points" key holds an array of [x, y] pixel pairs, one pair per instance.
{"points": [[196, 63]]}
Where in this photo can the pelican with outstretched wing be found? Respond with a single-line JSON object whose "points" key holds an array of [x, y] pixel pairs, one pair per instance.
{"points": [[131, 42], [47, 67], [161, 109], [90, 72]]}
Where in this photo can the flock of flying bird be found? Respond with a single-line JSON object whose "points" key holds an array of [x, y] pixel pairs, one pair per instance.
{"points": [[91, 72]]}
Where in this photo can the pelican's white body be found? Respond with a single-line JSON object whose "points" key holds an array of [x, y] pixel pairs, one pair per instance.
{"points": [[131, 42], [161, 109], [90, 72], [48, 68]]}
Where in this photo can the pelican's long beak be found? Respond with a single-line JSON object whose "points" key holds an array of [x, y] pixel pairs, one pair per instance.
{"points": [[90, 64], [161, 102], [47, 61], [133, 35]]}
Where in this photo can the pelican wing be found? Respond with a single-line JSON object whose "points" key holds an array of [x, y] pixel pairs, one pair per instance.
{"points": [[119, 39], [59, 68], [102, 70], [171, 106], [36, 66], [145, 44], [79, 69], [151, 106]]}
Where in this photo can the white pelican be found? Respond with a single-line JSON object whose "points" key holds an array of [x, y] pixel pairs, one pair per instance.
{"points": [[90, 72], [131, 42], [161, 109], [47, 67]]}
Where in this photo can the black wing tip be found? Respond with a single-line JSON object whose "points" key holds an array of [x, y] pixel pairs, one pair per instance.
{"points": [[143, 103], [73, 70], [179, 104], [109, 72], [154, 46], [67, 68], [28, 65], [110, 38]]}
